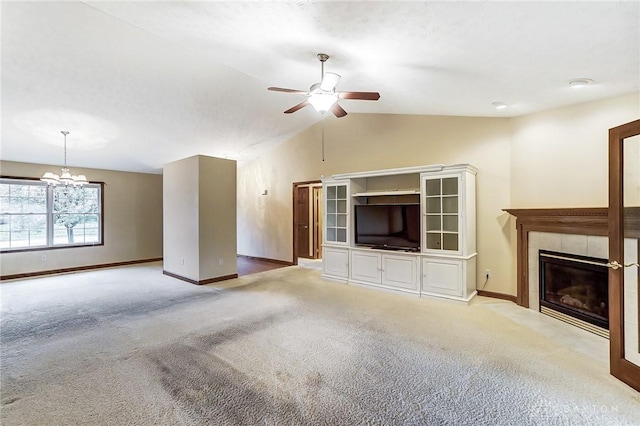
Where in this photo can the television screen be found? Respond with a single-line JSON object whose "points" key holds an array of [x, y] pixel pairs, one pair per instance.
{"points": [[392, 226]]}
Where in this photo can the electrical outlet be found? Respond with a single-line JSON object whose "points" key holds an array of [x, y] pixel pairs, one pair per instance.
{"points": [[220, 262], [487, 273], [44, 257]]}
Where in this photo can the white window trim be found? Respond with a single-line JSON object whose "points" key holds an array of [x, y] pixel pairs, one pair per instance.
{"points": [[49, 213]]}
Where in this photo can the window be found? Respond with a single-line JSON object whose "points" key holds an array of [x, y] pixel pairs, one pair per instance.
{"points": [[34, 215]]}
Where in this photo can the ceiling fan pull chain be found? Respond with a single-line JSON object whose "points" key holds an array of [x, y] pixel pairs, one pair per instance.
{"points": [[323, 137]]}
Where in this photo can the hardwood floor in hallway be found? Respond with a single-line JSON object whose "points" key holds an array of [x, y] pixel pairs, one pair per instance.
{"points": [[249, 265]]}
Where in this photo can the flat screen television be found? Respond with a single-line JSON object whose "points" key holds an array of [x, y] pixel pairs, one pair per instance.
{"points": [[388, 226]]}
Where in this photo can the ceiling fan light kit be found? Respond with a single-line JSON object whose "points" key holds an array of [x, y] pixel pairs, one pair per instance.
{"points": [[322, 96], [323, 102]]}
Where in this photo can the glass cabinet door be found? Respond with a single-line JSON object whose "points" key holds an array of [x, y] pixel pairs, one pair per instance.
{"points": [[336, 213], [442, 214]]}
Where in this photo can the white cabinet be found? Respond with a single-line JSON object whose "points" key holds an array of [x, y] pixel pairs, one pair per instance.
{"points": [[449, 277], [442, 276], [335, 257], [335, 263], [448, 206], [439, 217], [389, 270]]}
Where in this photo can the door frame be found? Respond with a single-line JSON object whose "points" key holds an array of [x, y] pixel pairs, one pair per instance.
{"points": [[294, 197], [619, 367], [316, 199]]}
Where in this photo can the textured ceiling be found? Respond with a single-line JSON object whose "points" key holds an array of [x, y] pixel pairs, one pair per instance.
{"points": [[140, 84]]}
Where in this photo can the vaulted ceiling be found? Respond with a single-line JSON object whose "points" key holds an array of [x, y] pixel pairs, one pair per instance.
{"points": [[140, 84]]}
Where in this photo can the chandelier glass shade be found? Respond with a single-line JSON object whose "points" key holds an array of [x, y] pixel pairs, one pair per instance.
{"points": [[65, 177]]}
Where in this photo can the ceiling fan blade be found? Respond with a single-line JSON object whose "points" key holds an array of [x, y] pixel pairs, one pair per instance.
{"points": [[297, 107], [364, 96], [329, 81], [338, 111], [280, 89]]}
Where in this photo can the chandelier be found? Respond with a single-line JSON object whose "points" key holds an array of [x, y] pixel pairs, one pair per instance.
{"points": [[65, 178]]}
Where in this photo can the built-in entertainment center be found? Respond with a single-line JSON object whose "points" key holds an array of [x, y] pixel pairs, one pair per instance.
{"points": [[409, 229]]}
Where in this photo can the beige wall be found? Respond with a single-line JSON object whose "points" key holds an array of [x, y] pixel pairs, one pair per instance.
{"points": [[559, 158], [132, 222], [200, 217], [218, 217], [181, 254], [554, 158]]}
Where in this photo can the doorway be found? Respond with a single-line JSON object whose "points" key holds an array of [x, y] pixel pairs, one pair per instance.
{"points": [[307, 220]]}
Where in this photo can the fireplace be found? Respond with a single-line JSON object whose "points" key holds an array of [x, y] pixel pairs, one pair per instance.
{"points": [[575, 289]]}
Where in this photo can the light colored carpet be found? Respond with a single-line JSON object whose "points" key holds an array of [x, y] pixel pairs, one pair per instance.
{"points": [[131, 346]]}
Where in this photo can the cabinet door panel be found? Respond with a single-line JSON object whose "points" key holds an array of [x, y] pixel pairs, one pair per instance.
{"points": [[399, 271], [335, 262], [442, 277], [365, 266], [442, 203], [336, 213]]}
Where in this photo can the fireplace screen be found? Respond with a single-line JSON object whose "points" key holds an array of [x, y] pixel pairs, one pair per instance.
{"points": [[575, 285]]}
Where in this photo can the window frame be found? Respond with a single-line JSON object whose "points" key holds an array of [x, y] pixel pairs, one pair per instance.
{"points": [[49, 213]]}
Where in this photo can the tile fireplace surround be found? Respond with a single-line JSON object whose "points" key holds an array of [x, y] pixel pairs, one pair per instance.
{"points": [[582, 245], [579, 231]]}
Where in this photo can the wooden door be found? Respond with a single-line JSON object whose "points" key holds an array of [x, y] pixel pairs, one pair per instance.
{"points": [[624, 252], [302, 217], [303, 220]]}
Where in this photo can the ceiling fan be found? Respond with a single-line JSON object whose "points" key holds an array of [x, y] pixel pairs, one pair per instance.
{"points": [[323, 96]]}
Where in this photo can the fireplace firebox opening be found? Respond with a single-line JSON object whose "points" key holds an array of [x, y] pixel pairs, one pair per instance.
{"points": [[575, 289]]}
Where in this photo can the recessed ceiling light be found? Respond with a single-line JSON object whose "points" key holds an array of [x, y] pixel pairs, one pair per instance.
{"points": [[499, 105], [580, 82]]}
